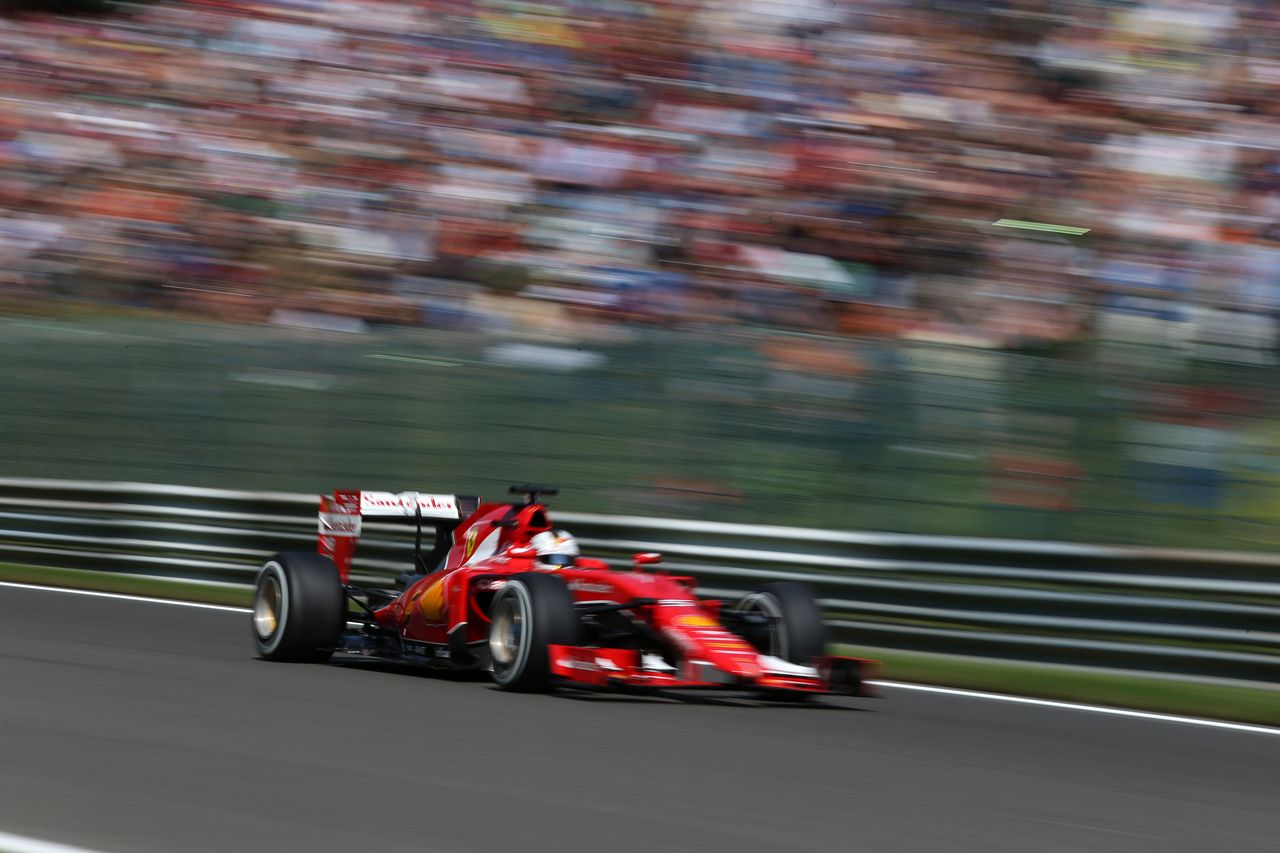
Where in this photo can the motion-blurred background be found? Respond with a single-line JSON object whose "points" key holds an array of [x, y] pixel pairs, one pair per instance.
{"points": [[718, 259]]}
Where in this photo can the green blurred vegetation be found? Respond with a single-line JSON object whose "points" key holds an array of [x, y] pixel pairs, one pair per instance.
{"points": [[710, 424], [128, 584]]}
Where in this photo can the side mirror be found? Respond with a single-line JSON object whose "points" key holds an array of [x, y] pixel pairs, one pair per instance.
{"points": [[521, 552], [648, 558]]}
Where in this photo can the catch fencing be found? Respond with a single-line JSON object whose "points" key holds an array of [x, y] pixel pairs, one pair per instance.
{"points": [[1190, 612], [921, 437]]}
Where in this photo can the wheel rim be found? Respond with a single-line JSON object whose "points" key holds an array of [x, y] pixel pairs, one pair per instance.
{"points": [[506, 633], [767, 606], [266, 606]]}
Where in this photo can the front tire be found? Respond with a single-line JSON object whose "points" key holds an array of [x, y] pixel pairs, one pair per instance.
{"points": [[794, 630], [298, 608], [531, 612]]}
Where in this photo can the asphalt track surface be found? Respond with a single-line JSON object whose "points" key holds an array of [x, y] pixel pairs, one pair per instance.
{"points": [[130, 726]]}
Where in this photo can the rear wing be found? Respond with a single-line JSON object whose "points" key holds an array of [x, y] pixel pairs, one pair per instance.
{"points": [[342, 515]]}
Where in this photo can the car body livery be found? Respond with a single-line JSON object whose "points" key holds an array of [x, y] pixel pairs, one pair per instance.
{"points": [[487, 597]]}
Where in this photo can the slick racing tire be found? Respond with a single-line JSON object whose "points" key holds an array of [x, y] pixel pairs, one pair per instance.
{"points": [[298, 608], [529, 613], [794, 629]]}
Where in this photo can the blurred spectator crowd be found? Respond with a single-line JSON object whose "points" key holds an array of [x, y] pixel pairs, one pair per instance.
{"points": [[833, 166]]}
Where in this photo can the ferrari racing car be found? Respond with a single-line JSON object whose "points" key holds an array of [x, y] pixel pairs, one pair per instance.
{"points": [[502, 590]]}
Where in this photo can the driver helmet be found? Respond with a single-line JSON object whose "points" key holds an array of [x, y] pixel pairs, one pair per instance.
{"points": [[555, 548]]}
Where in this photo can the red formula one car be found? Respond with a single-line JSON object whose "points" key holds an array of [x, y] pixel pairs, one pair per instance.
{"points": [[503, 591]]}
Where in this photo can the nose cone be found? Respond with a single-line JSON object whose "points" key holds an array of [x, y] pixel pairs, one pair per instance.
{"points": [[744, 665], [712, 667], [726, 653]]}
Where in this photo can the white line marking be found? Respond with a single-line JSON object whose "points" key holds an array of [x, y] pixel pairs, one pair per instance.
{"points": [[436, 362], [93, 593], [899, 685], [1073, 706], [21, 844]]}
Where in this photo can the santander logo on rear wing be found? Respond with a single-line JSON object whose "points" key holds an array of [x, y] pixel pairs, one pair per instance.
{"points": [[340, 513], [408, 504]]}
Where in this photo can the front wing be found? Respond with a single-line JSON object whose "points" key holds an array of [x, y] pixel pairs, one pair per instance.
{"points": [[831, 674]]}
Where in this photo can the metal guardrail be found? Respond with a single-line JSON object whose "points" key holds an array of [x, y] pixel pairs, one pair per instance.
{"points": [[1193, 612]]}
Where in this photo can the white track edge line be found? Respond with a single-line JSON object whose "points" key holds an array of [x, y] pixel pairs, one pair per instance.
{"points": [[10, 843], [1076, 706], [900, 685], [93, 593]]}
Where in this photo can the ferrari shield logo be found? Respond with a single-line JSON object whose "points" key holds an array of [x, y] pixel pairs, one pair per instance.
{"points": [[469, 543]]}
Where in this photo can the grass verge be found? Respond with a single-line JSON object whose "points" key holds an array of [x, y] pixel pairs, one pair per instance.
{"points": [[175, 588], [1168, 695], [1241, 703]]}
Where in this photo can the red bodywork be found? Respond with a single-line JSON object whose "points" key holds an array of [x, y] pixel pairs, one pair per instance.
{"points": [[444, 615]]}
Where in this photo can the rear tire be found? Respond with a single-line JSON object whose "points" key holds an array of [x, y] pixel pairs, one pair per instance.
{"points": [[531, 612], [795, 631], [299, 608]]}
